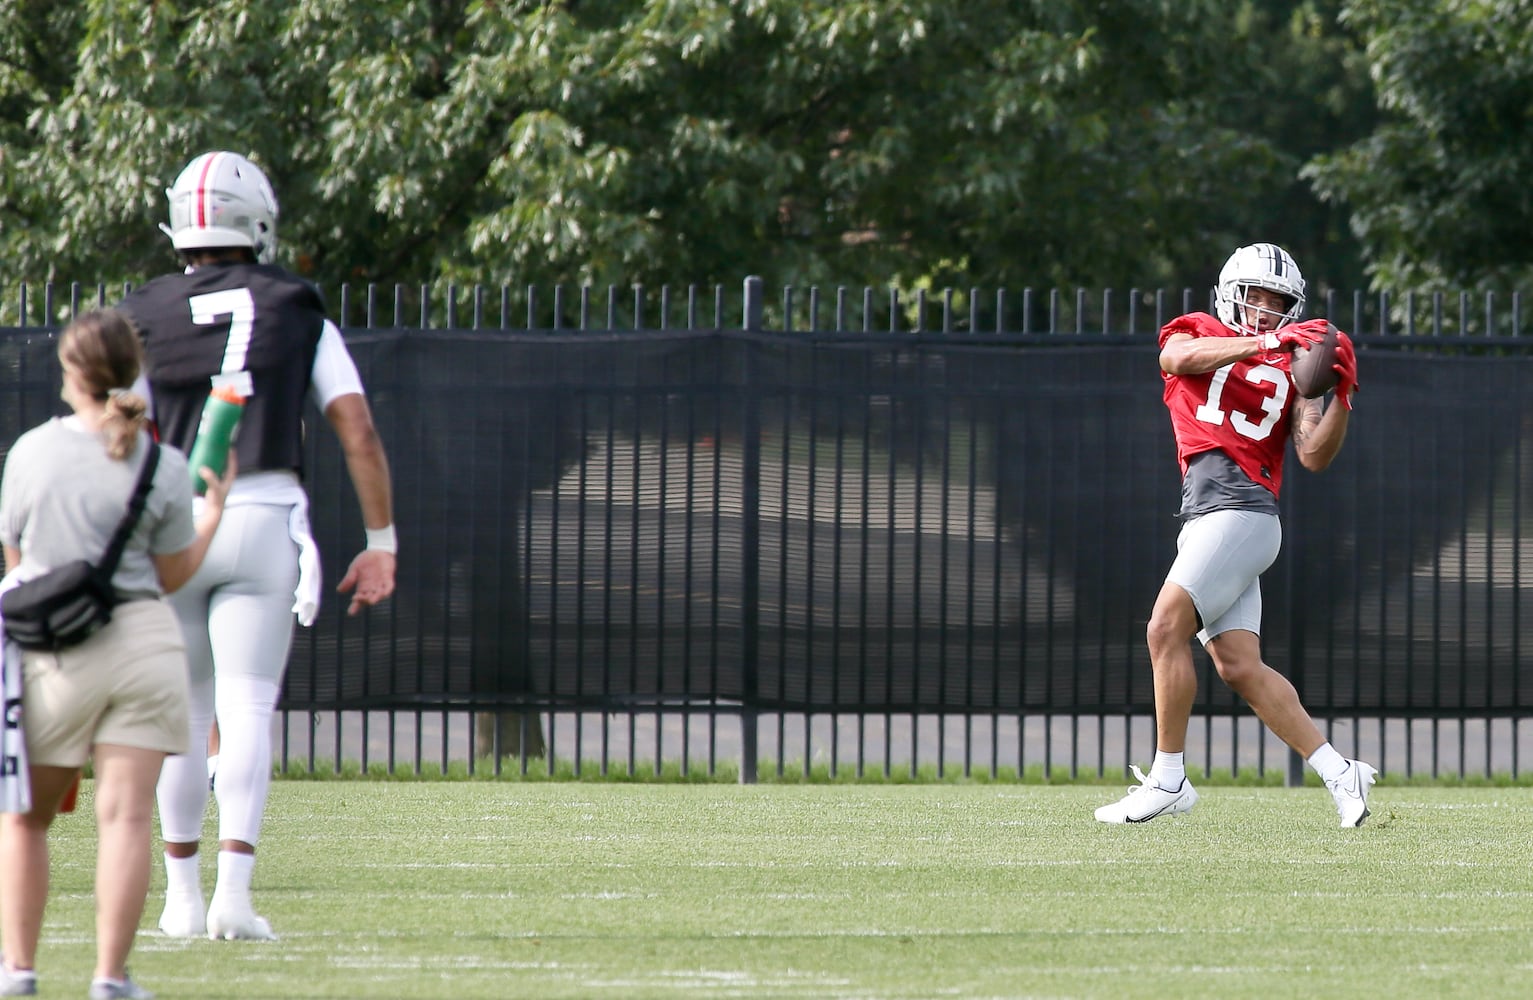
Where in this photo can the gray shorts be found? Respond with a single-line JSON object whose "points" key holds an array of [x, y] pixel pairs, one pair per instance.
{"points": [[1220, 557]]}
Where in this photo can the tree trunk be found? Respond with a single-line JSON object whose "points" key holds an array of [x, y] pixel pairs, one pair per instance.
{"points": [[501, 733]]}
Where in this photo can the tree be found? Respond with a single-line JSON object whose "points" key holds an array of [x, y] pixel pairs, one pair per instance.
{"points": [[987, 143], [1307, 90], [1438, 193]]}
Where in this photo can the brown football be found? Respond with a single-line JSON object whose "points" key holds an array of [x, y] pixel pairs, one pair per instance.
{"points": [[1314, 371]]}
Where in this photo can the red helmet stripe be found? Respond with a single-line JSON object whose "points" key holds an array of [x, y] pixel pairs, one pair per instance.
{"points": [[204, 195]]}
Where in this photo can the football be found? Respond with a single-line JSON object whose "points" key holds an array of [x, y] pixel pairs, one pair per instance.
{"points": [[1313, 368]]}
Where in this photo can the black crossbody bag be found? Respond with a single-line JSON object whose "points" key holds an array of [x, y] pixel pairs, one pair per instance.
{"points": [[67, 605]]}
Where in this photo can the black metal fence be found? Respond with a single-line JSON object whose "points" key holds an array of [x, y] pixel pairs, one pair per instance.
{"points": [[868, 530]]}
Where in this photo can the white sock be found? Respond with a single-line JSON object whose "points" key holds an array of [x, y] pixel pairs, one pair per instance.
{"points": [[1169, 771], [183, 874], [234, 871], [1327, 763]]}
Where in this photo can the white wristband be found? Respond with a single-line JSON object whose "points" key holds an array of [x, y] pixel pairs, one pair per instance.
{"points": [[382, 539], [1269, 342]]}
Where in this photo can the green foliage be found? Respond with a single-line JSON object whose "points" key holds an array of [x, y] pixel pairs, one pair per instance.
{"points": [[918, 143], [909, 142], [1438, 193]]}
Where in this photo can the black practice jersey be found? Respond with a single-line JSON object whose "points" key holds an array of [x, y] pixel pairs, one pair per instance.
{"points": [[228, 318]]}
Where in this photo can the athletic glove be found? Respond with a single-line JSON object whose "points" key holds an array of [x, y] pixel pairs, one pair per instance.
{"points": [[1294, 336], [1346, 369]]}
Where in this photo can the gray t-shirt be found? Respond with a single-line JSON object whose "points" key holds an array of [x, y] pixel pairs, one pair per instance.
{"points": [[1215, 482], [62, 497]]}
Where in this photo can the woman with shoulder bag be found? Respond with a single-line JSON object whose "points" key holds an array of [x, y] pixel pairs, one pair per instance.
{"points": [[119, 695]]}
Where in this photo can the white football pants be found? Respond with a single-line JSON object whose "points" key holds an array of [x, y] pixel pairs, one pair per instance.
{"points": [[237, 618]]}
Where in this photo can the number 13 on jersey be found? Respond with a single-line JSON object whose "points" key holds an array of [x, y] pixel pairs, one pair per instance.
{"points": [[1272, 404]]}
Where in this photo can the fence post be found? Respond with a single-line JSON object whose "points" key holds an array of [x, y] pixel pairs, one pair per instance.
{"points": [[1294, 776], [1294, 772], [750, 538]]}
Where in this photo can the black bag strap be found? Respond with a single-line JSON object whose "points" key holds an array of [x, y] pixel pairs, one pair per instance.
{"points": [[108, 564]]}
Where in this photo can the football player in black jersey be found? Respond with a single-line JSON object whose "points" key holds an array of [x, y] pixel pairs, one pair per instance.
{"points": [[234, 315]]}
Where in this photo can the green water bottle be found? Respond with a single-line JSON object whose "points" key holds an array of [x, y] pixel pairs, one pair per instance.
{"points": [[216, 430]]}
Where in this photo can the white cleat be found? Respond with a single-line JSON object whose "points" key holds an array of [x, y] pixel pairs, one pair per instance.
{"points": [[1351, 792], [1147, 800], [234, 920], [184, 915]]}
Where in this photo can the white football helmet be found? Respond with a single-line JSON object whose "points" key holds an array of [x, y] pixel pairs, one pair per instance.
{"points": [[1260, 265], [223, 200]]}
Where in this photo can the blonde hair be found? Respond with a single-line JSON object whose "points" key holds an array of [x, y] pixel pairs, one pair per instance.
{"points": [[102, 347]]}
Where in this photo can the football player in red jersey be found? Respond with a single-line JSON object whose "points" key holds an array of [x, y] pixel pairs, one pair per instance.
{"points": [[233, 314], [1233, 410]]}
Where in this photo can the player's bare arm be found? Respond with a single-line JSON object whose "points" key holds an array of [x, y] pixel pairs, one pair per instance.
{"points": [[1318, 432], [1188, 355], [366, 461], [370, 577], [1307, 414], [1184, 354]]}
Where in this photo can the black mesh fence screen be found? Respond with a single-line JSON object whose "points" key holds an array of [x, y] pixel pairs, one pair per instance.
{"points": [[881, 523]]}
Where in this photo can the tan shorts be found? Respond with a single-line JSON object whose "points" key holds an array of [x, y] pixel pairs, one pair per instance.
{"points": [[125, 685]]}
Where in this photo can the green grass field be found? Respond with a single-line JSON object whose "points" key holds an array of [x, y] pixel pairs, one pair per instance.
{"points": [[565, 889]]}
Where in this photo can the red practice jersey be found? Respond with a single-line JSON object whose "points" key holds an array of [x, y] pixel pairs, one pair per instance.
{"points": [[1244, 409]]}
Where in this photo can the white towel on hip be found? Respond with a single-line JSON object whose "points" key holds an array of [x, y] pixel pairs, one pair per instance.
{"points": [[15, 779], [306, 594]]}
